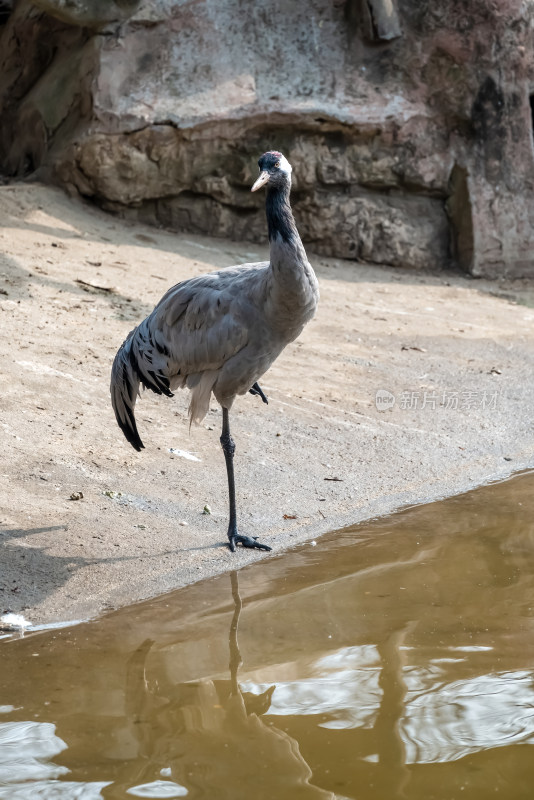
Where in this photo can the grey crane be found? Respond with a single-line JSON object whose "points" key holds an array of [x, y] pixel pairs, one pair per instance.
{"points": [[219, 333]]}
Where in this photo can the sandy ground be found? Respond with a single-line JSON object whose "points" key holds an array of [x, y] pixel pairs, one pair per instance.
{"points": [[457, 356]]}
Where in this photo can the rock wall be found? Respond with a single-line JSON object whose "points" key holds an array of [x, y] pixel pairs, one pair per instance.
{"points": [[408, 122]]}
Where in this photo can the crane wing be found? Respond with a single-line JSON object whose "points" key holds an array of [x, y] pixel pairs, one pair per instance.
{"points": [[194, 330], [204, 321]]}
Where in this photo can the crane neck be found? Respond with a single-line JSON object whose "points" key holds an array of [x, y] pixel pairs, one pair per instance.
{"points": [[293, 288], [280, 222]]}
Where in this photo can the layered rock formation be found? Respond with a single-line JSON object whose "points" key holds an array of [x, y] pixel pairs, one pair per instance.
{"points": [[408, 123]]}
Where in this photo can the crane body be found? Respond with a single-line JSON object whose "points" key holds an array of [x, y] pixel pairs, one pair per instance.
{"points": [[219, 333]]}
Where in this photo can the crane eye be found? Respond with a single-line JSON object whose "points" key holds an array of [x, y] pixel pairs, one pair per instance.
{"points": [[277, 165]]}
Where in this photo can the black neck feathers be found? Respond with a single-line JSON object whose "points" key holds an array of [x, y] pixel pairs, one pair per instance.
{"points": [[280, 220]]}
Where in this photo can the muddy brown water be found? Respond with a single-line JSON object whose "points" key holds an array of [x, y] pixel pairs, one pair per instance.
{"points": [[395, 659]]}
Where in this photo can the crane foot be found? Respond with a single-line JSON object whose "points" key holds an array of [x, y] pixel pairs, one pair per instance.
{"points": [[256, 389], [245, 541]]}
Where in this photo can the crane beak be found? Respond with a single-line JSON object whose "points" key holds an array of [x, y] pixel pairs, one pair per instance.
{"points": [[262, 180]]}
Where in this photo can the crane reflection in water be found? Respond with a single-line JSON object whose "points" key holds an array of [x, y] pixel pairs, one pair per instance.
{"points": [[201, 732]]}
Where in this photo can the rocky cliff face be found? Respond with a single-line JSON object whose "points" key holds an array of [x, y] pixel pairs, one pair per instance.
{"points": [[408, 122]]}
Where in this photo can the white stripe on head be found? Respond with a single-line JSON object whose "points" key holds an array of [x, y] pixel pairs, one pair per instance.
{"points": [[285, 166]]}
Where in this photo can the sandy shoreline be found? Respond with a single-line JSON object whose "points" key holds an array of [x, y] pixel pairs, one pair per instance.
{"points": [[457, 359]]}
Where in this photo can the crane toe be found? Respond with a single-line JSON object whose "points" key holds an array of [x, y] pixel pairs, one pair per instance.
{"points": [[246, 541], [257, 390]]}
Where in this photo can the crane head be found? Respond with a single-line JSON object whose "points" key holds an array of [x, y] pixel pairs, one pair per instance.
{"points": [[275, 170]]}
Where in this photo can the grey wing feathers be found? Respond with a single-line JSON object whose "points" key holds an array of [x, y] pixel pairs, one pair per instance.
{"points": [[201, 329], [195, 328]]}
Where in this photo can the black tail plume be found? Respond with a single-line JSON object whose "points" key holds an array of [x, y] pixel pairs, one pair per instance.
{"points": [[124, 390]]}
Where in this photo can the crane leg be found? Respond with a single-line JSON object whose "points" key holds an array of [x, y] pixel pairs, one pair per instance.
{"points": [[228, 446]]}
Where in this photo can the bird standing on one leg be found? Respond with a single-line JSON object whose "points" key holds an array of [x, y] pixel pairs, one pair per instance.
{"points": [[219, 333]]}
